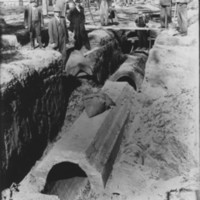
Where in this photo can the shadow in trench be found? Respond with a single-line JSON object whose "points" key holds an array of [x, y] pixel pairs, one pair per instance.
{"points": [[69, 83], [128, 80], [23, 37], [65, 180], [41, 134]]}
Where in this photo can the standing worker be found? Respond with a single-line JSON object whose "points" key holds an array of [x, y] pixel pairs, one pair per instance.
{"points": [[76, 17], [182, 16], [33, 21], [62, 5], [104, 12], [141, 22], [58, 34], [165, 12], [112, 14]]}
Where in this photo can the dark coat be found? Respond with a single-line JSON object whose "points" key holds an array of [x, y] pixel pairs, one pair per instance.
{"points": [[77, 19], [59, 38], [111, 14], [142, 34], [77, 25], [28, 17], [141, 21]]}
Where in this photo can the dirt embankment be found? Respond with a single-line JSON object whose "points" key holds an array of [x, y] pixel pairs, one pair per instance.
{"points": [[37, 96], [159, 157]]}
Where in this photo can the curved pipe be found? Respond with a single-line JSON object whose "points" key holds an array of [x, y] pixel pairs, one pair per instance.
{"points": [[131, 71], [91, 146], [65, 179], [128, 77], [65, 170]]}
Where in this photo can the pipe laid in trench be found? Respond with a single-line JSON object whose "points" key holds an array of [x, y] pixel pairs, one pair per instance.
{"points": [[132, 70], [91, 145], [96, 156], [66, 180]]}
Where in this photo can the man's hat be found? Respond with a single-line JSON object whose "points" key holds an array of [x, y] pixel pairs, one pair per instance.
{"points": [[56, 9]]}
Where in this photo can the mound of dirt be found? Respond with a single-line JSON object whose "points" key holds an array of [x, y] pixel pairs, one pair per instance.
{"points": [[159, 157]]}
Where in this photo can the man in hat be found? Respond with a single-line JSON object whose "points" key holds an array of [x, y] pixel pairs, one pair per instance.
{"points": [[33, 21], [165, 12], [141, 21], [58, 33], [76, 17], [112, 14]]}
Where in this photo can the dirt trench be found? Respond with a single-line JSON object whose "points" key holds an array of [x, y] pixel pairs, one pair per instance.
{"points": [[75, 102], [159, 154], [74, 184]]}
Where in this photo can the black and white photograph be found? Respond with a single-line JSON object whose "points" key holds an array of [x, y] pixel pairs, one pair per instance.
{"points": [[99, 100]]}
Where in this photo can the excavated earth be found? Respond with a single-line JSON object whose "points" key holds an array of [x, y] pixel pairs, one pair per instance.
{"points": [[159, 155], [34, 104], [37, 97]]}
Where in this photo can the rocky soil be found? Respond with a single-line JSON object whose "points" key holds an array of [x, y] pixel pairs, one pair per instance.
{"points": [[159, 156]]}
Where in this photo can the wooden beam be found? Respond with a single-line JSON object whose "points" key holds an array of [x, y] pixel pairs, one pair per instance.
{"points": [[118, 28]]}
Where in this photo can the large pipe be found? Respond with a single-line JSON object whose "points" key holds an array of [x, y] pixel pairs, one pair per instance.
{"points": [[92, 143], [132, 70]]}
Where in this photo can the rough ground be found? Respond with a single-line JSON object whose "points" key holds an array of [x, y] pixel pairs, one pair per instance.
{"points": [[159, 157], [76, 105]]}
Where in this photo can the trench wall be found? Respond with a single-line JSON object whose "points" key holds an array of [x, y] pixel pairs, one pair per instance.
{"points": [[33, 106], [34, 99]]}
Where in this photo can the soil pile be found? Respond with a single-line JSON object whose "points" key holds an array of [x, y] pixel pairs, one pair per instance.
{"points": [[159, 157]]}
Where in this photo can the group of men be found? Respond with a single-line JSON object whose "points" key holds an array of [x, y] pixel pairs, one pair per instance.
{"points": [[57, 27], [141, 22], [165, 19], [181, 9], [58, 30]]}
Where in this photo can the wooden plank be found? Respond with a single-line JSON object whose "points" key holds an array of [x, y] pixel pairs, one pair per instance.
{"points": [[118, 28]]}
